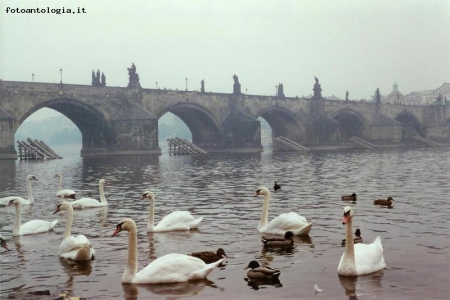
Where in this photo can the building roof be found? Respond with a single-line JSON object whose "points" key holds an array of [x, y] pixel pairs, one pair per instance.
{"points": [[444, 89]]}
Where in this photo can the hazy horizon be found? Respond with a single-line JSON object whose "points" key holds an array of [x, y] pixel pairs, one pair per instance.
{"points": [[354, 46]]}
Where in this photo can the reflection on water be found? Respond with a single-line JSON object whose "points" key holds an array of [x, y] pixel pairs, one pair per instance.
{"points": [[256, 284], [220, 188], [355, 286]]}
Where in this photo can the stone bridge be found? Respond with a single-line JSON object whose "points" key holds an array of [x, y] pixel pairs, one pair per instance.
{"points": [[124, 121]]}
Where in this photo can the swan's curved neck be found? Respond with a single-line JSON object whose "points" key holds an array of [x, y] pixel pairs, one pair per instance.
{"points": [[30, 192], [265, 211], [69, 220], [132, 262], [151, 216], [349, 243], [18, 219], [102, 194]]}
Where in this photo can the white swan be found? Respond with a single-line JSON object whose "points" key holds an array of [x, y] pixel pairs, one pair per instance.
{"points": [[89, 202], [30, 227], [177, 220], [5, 201], [75, 248], [166, 269], [359, 259], [3, 242], [284, 222], [63, 193]]}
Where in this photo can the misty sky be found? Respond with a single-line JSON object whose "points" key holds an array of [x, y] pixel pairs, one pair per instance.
{"points": [[349, 45]]}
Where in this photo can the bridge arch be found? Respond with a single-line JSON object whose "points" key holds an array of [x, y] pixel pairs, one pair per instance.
{"points": [[95, 129], [283, 123], [410, 125], [351, 123], [205, 128]]}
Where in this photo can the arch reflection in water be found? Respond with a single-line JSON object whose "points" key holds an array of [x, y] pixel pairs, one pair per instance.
{"points": [[355, 286], [190, 288]]}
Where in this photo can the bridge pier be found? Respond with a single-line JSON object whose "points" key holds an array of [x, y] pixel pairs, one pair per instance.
{"points": [[242, 133], [7, 145]]}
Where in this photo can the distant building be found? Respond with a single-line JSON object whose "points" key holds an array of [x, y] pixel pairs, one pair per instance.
{"points": [[333, 97], [430, 96], [414, 98], [395, 97]]}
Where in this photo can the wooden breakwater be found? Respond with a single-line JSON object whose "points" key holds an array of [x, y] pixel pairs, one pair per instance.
{"points": [[179, 146], [34, 150]]}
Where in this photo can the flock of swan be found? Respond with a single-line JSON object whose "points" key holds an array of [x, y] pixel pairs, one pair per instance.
{"points": [[357, 259]]}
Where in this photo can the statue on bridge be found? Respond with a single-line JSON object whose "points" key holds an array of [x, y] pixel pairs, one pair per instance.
{"points": [[236, 85], [203, 86], [346, 95], [103, 79], [377, 97], [317, 88], [280, 93], [96, 79], [133, 77]]}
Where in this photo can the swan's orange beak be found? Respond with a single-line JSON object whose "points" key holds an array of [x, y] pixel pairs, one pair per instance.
{"points": [[57, 210], [142, 197], [345, 220], [256, 194], [118, 229]]}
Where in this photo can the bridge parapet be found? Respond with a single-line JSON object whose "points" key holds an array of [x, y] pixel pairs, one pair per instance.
{"points": [[218, 121]]}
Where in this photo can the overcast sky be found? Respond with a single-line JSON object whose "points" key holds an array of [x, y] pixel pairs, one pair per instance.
{"points": [[349, 45]]}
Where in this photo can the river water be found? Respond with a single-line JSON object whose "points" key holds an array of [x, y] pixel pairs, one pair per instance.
{"points": [[415, 232]]}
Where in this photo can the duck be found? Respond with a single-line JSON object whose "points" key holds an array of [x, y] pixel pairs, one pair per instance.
{"points": [[359, 259], [63, 193], [90, 202], [287, 241], [3, 243], [284, 222], [276, 187], [210, 256], [30, 227], [5, 201], [170, 268], [352, 197], [258, 272], [75, 248], [356, 238], [387, 202], [175, 221]]}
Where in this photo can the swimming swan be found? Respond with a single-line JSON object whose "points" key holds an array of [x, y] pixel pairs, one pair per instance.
{"points": [[284, 222], [5, 201], [75, 248], [166, 269], [177, 220], [66, 193], [89, 202], [30, 227], [359, 259]]}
